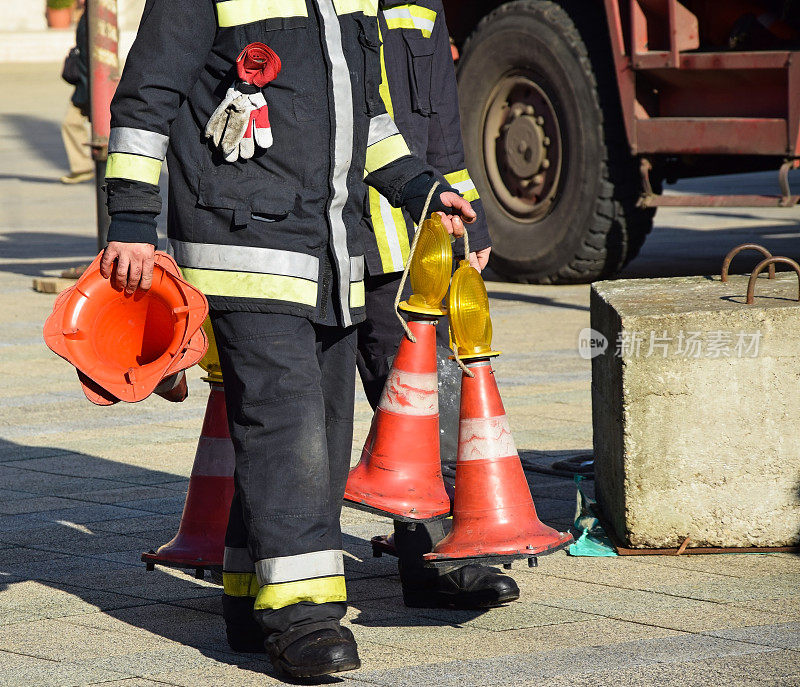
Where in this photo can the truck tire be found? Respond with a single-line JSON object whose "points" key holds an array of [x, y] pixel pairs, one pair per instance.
{"points": [[545, 143]]}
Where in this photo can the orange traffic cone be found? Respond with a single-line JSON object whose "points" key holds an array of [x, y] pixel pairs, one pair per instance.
{"points": [[400, 473], [125, 346], [200, 542], [494, 518]]}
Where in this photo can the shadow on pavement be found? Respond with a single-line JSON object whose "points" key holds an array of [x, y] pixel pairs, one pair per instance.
{"points": [[43, 137], [56, 251], [78, 523], [680, 252], [536, 300]]}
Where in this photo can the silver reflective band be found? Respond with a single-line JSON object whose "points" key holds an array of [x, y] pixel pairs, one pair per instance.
{"points": [[212, 256], [381, 127], [237, 560], [124, 139], [342, 91], [463, 186], [357, 268], [304, 566]]}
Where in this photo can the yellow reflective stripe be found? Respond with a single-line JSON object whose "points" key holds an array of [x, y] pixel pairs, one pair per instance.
{"points": [[240, 584], [462, 183], [358, 296], [385, 152], [411, 17], [235, 12], [379, 229], [133, 167], [252, 285], [471, 195], [317, 591], [368, 7], [457, 177], [391, 232]]}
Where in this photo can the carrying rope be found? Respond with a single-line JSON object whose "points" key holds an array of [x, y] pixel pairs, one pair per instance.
{"points": [[403, 279], [453, 343], [409, 333]]}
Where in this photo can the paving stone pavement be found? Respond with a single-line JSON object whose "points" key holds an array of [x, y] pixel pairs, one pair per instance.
{"points": [[84, 490]]}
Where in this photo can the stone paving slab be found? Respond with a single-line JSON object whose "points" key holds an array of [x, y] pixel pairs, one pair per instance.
{"points": [[84, 490]]}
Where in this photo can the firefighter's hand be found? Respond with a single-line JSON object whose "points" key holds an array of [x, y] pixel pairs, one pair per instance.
{"points": [[134, 265], [479, 259], [462, 212]]}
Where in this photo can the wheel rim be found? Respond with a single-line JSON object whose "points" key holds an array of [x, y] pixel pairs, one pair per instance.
{"points": [[522, 147]]}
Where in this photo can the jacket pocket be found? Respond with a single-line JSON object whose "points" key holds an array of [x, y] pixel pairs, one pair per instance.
{"points": [[420, 67], [369, 40], [258, 197]]}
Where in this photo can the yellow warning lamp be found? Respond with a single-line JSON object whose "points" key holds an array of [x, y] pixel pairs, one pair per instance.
{"points": [[470, 322], [430, 269], [210, 361]]}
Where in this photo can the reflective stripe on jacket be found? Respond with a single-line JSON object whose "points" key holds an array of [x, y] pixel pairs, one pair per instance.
{"points": [[418, 89], [280, 232]]}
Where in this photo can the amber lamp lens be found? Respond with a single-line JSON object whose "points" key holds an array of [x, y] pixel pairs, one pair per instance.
{"points": [[431, 265], [469, 312]]}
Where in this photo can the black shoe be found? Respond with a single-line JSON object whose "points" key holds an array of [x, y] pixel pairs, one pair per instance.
{"points": [[244, 633], [320, 653], [471, 587]]}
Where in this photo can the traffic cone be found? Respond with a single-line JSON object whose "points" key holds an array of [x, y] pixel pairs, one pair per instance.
{"points": [[400, 473], [124, 346], [494, 518], [200, 542]]}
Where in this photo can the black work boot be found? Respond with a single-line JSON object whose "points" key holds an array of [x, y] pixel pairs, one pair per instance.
{"points": [[321, 652], [244, 633], [470, 587]]}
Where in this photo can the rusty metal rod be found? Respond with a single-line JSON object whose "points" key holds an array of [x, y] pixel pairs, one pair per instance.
{"points": [[751, 285], [745, 246]]}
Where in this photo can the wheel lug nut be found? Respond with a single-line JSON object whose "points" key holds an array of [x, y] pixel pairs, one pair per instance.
{"points": [[545, 164], [538, 179], [546, 140], [540, 120], [529, 110]]}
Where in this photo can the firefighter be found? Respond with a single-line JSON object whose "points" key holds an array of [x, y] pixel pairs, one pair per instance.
{"points": [[418, 88], [270, 118]]}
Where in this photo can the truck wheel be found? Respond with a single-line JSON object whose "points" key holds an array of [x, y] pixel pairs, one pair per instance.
{"points": [[559, 196]]}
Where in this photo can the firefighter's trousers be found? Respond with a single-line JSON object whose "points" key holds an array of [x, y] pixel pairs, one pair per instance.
{"points": [[378, 339], [289, 388]]}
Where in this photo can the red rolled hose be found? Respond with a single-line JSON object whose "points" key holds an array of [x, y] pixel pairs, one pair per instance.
{"points": [[258, 64]]}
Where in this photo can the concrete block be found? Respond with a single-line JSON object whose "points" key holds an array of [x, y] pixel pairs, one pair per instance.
{"points": [[695, 410]]}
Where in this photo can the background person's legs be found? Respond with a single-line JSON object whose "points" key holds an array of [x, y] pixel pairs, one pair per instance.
{"points": [[75, 134]]}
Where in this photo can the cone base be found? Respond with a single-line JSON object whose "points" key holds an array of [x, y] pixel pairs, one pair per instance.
{"points": [[434, 559], [187, 552], [398, 514], [151, 560]]}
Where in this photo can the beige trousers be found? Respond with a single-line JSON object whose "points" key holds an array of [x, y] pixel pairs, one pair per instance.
{"points": [[75, 132]]}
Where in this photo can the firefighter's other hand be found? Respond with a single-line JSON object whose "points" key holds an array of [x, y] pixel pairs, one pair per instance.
{"points": [[479, 259], [134, 265], [462, 212]]}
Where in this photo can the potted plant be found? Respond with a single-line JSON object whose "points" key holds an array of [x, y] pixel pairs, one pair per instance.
{"points": [[59, 13]]}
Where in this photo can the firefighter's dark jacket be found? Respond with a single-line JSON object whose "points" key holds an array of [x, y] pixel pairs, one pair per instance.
{"points": [[280, 232], [419, 91]]}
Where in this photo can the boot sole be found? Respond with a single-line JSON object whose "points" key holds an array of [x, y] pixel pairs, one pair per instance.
{"points": [[464, 602], [318, 670]]}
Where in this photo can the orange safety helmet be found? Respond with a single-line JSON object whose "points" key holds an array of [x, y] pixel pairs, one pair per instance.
{"points": [[123, 345]]}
